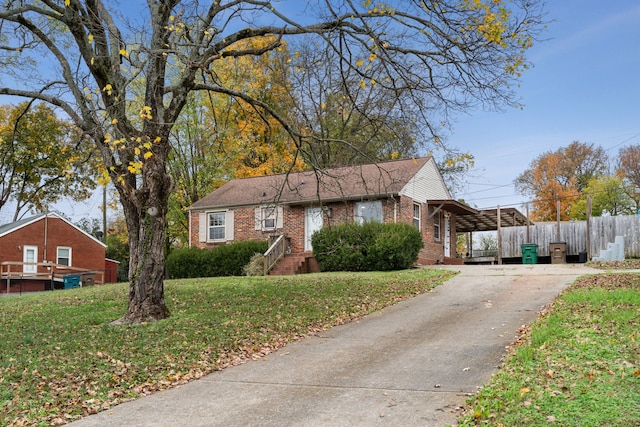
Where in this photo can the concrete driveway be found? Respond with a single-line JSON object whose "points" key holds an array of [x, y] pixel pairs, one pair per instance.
{"points": [[413, 364]]}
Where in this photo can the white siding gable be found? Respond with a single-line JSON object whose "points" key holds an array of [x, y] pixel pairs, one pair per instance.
{"points": [[427, 184]]}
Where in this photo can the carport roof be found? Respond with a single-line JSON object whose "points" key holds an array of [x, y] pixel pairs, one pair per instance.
{"points": [[487, 220], [470, 219]]}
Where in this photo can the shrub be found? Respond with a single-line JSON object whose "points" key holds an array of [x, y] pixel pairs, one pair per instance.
{"points": [[223, 260], [255, 267], [367, 247]]}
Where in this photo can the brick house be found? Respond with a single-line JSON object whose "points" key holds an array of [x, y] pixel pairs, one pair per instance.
{"points": [[297, 204], [36, 253]]}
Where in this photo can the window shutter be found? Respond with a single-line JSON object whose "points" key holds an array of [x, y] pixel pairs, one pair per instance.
{"points": [[258, 218], [202, 227], [280, 217], [229, 226]]}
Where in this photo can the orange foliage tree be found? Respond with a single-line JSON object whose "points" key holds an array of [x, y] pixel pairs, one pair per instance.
{"points": [[219, 137], [561, 175]]}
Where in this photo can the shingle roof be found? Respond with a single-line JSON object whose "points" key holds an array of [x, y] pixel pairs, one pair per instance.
{"points": [[343, 183], [13, 226], [7, 228]]}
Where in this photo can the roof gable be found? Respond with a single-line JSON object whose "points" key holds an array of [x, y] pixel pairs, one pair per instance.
{"points": [[426, 184], [342, 183], [14, 226]]}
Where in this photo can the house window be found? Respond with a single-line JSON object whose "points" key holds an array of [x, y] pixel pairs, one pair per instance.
{"points": [[217, 226], [436, 226], [369, 211], [63, 257], [416, 215], [269, 218]]}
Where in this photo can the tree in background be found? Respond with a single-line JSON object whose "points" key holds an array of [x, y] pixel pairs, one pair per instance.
{"points": [[118, 246], [353, 121], [347, 120], [219, 137], [43, 159], [439, 58], [561, 175], [608, 197], [628, 169]]}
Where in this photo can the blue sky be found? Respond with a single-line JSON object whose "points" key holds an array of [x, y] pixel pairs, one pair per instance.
{"points": [[584, 86]]}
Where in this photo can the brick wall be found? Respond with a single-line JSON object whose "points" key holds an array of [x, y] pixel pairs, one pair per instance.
{"points": [[85, 252], [394, 210]]}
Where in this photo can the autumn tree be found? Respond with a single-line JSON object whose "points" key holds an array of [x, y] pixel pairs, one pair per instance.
{"points": [[608, 197], [440, 57], [349, 121], [561, 175], [43, 159], [219, 137], [628, 169]]}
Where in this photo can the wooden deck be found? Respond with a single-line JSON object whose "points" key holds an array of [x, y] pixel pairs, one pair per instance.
{"points": [[47, 276]]}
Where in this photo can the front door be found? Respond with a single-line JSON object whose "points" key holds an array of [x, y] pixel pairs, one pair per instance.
{"points": [[447, 236], [313, 221], [30, 258]]}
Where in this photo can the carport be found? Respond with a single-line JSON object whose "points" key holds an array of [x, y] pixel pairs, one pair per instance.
{"points": [[489, 220]]}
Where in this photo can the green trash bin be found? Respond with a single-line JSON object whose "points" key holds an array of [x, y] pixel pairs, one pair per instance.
{"points": [[529, 253]]}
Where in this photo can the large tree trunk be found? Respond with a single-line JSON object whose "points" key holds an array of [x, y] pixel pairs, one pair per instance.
{"points": [[145, 215]]}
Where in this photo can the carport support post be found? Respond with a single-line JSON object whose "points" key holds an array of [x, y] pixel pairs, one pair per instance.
{"points": [[499, 236], [588, 228], [528, 225], [558, 220]]}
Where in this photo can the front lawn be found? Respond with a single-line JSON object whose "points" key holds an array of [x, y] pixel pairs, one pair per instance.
{"points": [[60, 360], [579, 366]]}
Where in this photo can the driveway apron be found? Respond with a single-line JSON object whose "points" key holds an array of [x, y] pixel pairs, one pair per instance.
{"points": [[412, 364]]}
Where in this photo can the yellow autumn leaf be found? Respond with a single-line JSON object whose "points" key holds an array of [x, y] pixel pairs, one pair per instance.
{"points": [[114, 121], [67, 2], [360, 63], [524, 391], [148, 154]]}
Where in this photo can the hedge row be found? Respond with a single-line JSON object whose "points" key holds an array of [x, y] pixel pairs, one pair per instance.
{"points": [[223, 260], [368, 247]]}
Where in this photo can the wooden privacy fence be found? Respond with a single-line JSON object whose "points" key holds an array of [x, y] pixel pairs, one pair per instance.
{"points": [[603, 231]]}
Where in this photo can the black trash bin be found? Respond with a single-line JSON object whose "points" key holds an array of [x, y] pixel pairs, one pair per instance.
{"points": [[582, 257]]}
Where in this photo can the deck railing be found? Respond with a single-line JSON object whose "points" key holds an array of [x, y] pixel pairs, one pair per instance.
{"points": [[276, 250], [14, 270]]}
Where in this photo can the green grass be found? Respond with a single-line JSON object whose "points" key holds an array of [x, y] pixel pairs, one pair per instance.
{"points": [[579, 367], [60, 360]]}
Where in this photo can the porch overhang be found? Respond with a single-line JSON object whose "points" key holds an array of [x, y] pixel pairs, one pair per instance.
{"points": [[451, 206]]}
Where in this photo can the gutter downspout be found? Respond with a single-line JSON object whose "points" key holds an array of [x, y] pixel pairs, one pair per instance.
{"points": [[189, 213], [46, 227]]}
